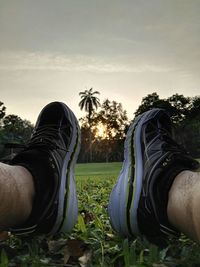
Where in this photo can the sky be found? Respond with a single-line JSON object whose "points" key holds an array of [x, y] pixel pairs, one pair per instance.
{"points": [[50, 50]]}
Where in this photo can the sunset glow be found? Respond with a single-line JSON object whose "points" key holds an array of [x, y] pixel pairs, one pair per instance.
{"points": [[101, 131]]}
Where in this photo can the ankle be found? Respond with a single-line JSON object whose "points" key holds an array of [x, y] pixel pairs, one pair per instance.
{"points": [[17, 191], [25, 190], [183, 196]]}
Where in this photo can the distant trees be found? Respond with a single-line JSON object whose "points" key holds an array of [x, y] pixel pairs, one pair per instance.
{"points": [[109, 125], [178, 106], [13, 129], [103, 130], [16, 129], [113, 119], [185, 113], [107, 128], [152, 101]]}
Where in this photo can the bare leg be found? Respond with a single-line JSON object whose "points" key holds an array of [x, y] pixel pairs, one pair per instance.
{"points": [[184, 202], [16, 195]]}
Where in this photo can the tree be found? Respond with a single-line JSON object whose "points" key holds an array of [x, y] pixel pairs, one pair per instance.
{"points": [[153, 101], [194, 111], [189, 129], [90, 102], [108, 128], [180, 107], [185, 114], [16, 129], [114, 119], [2, 111]]}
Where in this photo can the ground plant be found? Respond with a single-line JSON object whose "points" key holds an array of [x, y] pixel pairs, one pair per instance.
{"points": [[93, 241]]}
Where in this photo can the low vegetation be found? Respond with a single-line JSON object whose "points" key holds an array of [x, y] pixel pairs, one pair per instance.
{"points": [[93, 242]]}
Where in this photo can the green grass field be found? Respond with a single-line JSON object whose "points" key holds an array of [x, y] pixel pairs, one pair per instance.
{"points": [[98, 169], [93, 238]]}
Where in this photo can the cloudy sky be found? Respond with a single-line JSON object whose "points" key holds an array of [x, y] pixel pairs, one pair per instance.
{"points": [[53, 49]]}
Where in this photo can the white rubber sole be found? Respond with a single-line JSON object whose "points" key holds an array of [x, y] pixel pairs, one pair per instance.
{"points": [[125, 196], [67, 202]]}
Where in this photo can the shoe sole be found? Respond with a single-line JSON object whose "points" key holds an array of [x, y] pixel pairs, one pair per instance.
{"points": [[125, 196], [67, 198]]}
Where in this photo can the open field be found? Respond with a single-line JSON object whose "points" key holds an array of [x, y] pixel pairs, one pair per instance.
{"points": [[93, 242], [98, 169]]}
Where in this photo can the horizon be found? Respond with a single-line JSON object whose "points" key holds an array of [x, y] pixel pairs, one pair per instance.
{"points": [[85, 113]]}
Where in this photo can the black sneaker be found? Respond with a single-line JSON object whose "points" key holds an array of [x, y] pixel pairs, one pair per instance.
{"points": [[50, 156], [138, 202]]}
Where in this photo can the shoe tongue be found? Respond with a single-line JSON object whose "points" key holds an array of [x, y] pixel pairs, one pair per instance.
{"points": [[51, 115], [164, 123]]}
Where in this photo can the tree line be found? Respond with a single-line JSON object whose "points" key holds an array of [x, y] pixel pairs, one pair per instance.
{"points": [[102, 131], [184, 113], [104, 127], [13, 129]]}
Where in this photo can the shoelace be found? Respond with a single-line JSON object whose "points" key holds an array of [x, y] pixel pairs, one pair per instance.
{"points": [[169, 143], [43, 137]]}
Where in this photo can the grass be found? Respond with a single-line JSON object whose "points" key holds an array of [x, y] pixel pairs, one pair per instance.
{"points": [[93, 238], [94, 184], [98, 170]]}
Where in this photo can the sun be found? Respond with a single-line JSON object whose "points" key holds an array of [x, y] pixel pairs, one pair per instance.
{"points": [[101, 131]]}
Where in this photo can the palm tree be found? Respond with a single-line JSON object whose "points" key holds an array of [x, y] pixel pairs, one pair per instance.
{"points": [[89, 102]]}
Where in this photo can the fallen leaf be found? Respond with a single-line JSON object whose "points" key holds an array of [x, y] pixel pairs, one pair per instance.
{"points": [[76, 248], [75, 252]]}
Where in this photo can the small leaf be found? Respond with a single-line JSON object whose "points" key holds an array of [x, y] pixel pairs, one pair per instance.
{"points": [[81, 224]]}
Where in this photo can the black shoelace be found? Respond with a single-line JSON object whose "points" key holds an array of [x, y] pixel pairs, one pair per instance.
{"points": [[168, 143]]}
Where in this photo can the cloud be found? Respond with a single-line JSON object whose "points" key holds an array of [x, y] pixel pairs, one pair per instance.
{"points": [[25, 61]]}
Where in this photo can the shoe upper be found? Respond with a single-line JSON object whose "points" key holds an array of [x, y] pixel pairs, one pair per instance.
{"points": [[44, 156], [163, 159]]}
